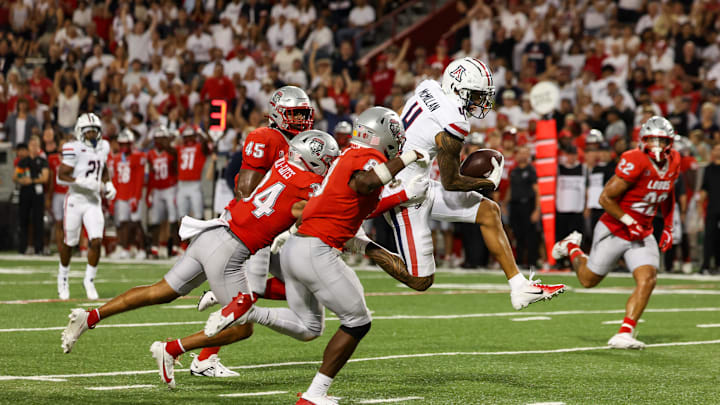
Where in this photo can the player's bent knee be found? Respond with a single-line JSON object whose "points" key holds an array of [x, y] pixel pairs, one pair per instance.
{"points": [[488, 212], [358, 332], [96, 243]]}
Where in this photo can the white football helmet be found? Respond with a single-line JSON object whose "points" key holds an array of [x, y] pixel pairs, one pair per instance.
{"points": [[126, 136], [469, 81], [284, 107], [86, 123], [379, 128], [161, 132], [651, 132], [315, 150], [594, 136]]}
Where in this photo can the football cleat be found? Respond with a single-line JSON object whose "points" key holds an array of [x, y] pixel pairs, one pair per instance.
{"points": [[141, 254], [560, 249], [210, 367], [533, 292], [306, 399], [625, 341], [76, 327], [237, 311], [207, 299], [90, 289], [165, 362], [63, 287]]}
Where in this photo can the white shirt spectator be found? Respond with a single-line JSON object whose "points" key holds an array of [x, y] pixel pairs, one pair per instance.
{"points": [[361, 16], [118, 28], [285, 57], [170, 64], [480, 33], [277, 33], [99, 72], [239, 65], [200, 46], [620, 62], [524, 118], [296, 78], [154, 77], [68, 109], [142, 100], [513, 113], [83, 18], [664, 62], [209, 68], [232, 10], [138, 46], [714, 74], [223, 37], [289, 11], [307, 16], [645, 22], [323, 37], [594, 19], [512, 21]]}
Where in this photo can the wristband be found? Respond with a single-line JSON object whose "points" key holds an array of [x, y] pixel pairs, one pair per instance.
{"points": [[408, 157], [383, 173], [627, 220], [293, 229]]}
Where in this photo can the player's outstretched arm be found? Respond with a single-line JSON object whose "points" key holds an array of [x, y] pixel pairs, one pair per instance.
{"points": [[367, 181], [448, 159], [393, 265], [614, 189]]}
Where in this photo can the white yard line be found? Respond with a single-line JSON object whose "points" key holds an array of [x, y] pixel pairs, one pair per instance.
{"points": [[618, 322], [120, 387], [388, 400], [252, 394], [392, 357], [709, 325], [531, 318], [396, 317]]}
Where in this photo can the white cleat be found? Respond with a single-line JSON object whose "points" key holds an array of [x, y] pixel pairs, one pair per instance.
{"points": [[625, 341], [63, 287], [206, 300], [76, 327], [687, 268], [533, 292], [90, 289], [306, 399], [210, 367], [165, 362], [560, 249], [141, 254]]}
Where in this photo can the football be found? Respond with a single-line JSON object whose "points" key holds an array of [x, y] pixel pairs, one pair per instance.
{"points": [[478, 163]]}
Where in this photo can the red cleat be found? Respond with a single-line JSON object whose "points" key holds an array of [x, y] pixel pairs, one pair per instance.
{"points": [[236, 312]]}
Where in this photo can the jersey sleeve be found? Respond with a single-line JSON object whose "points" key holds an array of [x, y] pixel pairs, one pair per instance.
{"points": [[69, 154], [630, 167], [458, 129], [258, 152]]}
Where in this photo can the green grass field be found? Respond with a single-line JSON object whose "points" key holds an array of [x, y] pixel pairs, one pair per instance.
{"points": [[459, 343]]}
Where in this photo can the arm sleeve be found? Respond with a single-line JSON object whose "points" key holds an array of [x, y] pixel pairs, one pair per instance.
{"points": [[69, 155], [458, 130], [388, 203]]}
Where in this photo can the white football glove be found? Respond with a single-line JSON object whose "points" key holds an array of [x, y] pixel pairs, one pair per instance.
{"points": [[425, 160], [280, 240], [110, 191], [88, 183], [416, 189], [496, 174]]}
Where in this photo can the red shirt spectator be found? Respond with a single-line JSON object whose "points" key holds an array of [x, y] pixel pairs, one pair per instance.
{"points": [[382, 80], [39, 86], [218, 86], [440, 55]]}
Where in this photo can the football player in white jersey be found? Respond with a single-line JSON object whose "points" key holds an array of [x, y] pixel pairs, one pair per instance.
{"points": [[84, 169], [436, 121]]}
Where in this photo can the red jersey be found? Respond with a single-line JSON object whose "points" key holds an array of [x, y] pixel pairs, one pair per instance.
{"points": [[54, 161], [267, 212], [650, 188], [191, 160], [262, 148], [128, 174], [163, 173], [335, 214]]}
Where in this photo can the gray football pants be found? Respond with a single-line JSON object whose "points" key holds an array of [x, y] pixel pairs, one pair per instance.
{"points": [[315, 278], [216, 255]]}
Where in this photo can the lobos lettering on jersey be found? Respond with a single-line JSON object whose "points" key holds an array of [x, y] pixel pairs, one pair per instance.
{"points": [[650, 187], [258, 219]]}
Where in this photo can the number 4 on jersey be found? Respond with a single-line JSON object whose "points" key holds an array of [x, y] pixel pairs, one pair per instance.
{"points": [[264, 202]]}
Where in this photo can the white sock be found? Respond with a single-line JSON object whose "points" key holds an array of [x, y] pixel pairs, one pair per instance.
{"points": [[90, 272], [320, 385], [63, 270], [517, 281]]}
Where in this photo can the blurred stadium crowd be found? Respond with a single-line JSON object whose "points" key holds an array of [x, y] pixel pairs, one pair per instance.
{"points": [[140, 64]]}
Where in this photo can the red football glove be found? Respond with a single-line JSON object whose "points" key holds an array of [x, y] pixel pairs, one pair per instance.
{"points": [[666, 240], [133, 205], [636, 231]]}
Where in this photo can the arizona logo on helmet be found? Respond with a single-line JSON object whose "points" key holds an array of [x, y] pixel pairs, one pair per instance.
{"points": [[458, 73]]}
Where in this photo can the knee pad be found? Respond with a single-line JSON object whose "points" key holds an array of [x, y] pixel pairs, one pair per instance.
{"points": [[357, 332]]}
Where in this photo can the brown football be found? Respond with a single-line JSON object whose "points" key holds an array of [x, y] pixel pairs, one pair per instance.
{"points": [[478, 163]]}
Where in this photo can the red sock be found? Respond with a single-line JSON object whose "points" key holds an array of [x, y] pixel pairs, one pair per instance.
{"points": [[175, 348], [274, 289], [207, 352], [628, 325], [574, 251], [93, 318]]}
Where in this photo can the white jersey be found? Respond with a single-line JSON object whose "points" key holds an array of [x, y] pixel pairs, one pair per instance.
{"points": [[428, 112], [86, 162]]}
